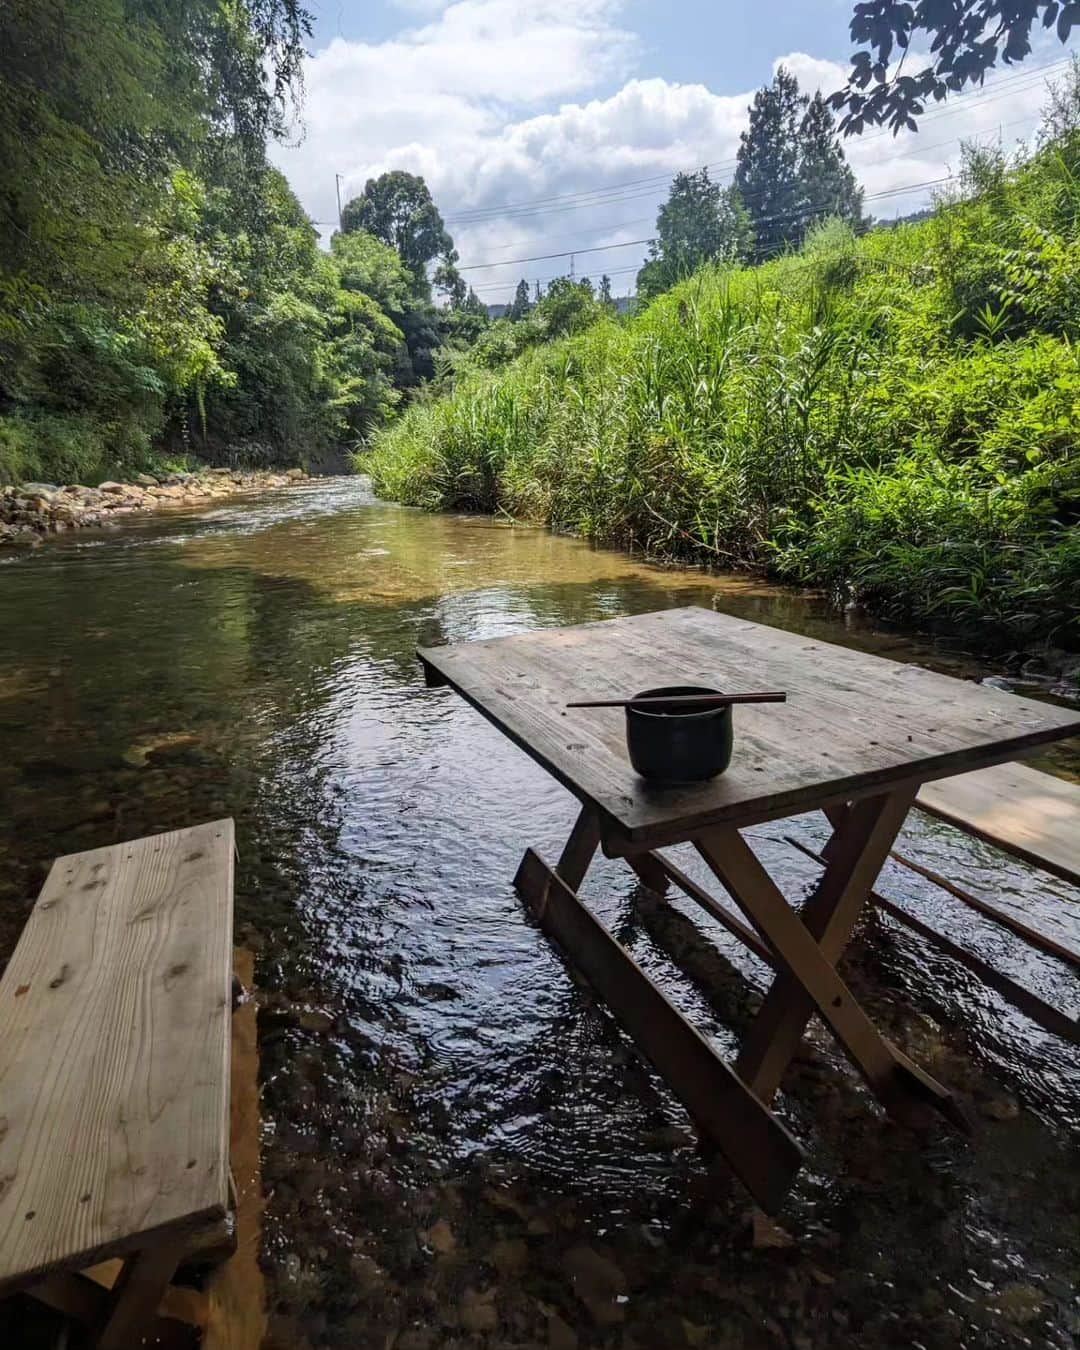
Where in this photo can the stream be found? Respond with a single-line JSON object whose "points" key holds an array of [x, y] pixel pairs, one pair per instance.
{"points": [[459, 1148]]}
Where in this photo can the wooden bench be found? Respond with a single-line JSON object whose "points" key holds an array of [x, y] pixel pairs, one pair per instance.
{"points": [[1030, 814], [115, 1026], [1024, 812]]}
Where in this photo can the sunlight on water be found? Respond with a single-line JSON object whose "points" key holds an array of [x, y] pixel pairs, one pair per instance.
{"points": [[429, 1067]]}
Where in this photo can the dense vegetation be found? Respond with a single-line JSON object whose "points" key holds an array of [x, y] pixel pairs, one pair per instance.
{"points": [[894, 416], [162, 293]]}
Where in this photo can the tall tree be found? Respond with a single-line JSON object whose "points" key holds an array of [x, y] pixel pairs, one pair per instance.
{"points": [[965, 38], [604, 293], [700, 222], [519, 306], [397, 208], [829, 188], [449, 280], [767, 167]]}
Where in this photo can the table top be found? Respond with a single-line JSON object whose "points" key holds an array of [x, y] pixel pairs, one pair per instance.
{"points": [[853, 723]]}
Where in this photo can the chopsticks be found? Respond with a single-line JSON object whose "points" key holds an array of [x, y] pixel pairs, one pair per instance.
{"points": [[703, 701]]}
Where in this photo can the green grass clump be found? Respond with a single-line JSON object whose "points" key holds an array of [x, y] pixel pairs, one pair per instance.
{"points": [[894, 417]]}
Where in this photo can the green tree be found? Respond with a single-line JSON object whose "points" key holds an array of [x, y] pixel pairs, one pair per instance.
{"points": [[767, 166], [449, 281], [966, 38], [604, 293], [568, 307], [829, 188], [700, 222], [397, 208], [376, 268], [519, 306]]}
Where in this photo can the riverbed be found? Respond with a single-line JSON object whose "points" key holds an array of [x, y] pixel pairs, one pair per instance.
{"points": [[459, 1148]]}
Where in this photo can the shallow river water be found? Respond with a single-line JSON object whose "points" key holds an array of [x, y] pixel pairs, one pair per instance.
{"points": [[459, 1149]]}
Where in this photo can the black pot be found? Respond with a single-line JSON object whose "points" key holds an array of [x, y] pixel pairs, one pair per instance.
{"points": [[678, 743]]}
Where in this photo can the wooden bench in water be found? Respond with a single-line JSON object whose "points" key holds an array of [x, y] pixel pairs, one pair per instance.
{"points": [[1029, 814], [115, 1026], [858, 738]]}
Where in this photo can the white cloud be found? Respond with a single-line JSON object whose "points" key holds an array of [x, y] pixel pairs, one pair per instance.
{"points": [[499, 103]]}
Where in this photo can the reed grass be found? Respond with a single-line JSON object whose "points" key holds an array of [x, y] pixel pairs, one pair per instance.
{"points": [[895, 418]]}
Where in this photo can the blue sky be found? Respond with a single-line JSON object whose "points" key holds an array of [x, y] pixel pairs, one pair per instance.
{"points": [[725, 44], [529, 118]]}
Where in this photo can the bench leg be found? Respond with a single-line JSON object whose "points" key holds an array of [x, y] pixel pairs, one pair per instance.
{"points": [[136, 1296]]}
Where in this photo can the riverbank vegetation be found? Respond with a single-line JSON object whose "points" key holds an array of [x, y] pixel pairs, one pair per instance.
{"points": [[163, 296], [894, 416]]}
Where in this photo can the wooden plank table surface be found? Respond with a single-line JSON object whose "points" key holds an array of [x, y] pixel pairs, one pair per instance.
{"points": [[114, 1055], [852, 723], [857, 738]]}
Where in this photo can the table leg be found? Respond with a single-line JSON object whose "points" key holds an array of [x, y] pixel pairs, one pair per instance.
{"points": [[809, 945], [136, 1296], [580, 848], [758, 1148]]}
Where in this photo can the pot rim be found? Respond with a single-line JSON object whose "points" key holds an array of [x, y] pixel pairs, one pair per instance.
{"points": [[674, 690]]}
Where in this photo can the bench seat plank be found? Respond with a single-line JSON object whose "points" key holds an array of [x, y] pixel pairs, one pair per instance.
{"points": [[1024, 811], [114, 1054]]}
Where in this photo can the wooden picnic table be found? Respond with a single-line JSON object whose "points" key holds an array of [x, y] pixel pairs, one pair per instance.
{"points": [[857, 738]]}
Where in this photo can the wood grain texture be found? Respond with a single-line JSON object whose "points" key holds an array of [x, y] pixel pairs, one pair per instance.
{"points": [[852, 723], [1028, 813], [114, 1054], [758, 1148]]}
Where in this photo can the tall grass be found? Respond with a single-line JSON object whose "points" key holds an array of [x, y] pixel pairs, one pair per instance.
{"points": [[896, 418]]}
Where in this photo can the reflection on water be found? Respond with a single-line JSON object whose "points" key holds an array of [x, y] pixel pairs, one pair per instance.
{"points": [[459, 1149]]}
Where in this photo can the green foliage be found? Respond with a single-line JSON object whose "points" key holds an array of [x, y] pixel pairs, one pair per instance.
{"points": [[397, 208], [791, 171], [520, 305], [966, 38], [894, 415], [767, 165], [161, 290], [700, 222]]}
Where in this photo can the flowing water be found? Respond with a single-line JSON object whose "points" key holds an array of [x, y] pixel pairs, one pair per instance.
{"points": [[459, 1149]]}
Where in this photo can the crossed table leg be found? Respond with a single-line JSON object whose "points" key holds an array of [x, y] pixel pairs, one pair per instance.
{"points": [[731, 1106]]}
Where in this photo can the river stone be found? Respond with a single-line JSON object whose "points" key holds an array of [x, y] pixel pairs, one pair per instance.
{"points": [[114, 489], [146, 480], [478, 1312], [560, 1335], [598, 1282], [1019, 1303]]}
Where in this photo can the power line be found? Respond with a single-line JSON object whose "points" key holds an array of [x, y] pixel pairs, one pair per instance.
{"points": [[917, 153], [763, 220], [1019, 82]]}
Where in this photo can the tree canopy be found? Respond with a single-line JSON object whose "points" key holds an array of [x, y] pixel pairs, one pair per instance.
{"points": [[397, 208], [700, 222], [791, 170], [161, 289], [965, 38]]}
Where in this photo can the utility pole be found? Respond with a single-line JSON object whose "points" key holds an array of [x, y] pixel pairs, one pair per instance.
{"points": [[571, 267], [337, 185]]}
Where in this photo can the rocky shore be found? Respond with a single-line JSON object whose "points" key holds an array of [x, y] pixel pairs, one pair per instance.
{"points": [[30, 511]]}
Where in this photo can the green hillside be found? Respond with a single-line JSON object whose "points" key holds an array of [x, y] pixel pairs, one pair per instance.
{"points": [[894, 417]]}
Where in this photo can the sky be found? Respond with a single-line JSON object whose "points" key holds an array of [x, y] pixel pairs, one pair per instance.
{"points": [[549, 126]]}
